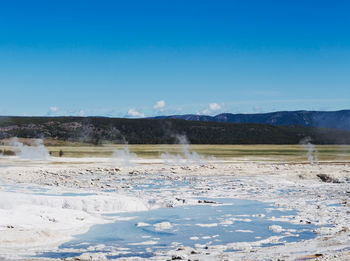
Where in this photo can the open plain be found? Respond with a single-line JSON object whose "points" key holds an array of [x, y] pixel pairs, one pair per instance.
{"points": [[198, 202]]}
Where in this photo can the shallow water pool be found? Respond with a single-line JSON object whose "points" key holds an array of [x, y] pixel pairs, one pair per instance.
{"points": [[227, 221]]}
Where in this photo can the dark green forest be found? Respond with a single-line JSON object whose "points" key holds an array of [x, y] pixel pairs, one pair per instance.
{"points": [[98, 130]]}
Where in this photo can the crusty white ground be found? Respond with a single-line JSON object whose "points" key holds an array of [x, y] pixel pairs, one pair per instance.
{"points": [[36, 223]]}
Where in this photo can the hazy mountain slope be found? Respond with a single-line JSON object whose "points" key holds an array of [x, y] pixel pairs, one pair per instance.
{"points": [[332, 119]]}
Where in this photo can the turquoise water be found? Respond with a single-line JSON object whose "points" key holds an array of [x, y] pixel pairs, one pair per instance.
{"points": [[204, 224]]}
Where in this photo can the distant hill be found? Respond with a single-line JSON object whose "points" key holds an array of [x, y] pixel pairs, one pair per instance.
{"points": [[98, 130], [324, 119]]}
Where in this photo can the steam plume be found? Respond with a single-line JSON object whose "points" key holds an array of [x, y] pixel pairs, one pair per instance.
{"points": [[311, 150], [124, 157], [35, 152], [188, 156]]}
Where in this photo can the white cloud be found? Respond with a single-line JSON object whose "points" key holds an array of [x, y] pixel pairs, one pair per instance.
{"points": [[212, 108], [81, 113], [257, 109], [159, 105], [134, 113], [206, 111], [54, 109]]}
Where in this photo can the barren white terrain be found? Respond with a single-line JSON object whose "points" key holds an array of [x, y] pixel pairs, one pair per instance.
{"points": [[45, 204]]}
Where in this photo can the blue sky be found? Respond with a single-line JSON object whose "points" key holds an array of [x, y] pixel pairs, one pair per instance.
{"points": [[145, 58]]}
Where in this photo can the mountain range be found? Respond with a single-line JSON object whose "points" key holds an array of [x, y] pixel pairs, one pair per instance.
{"points": [[324, 119]]}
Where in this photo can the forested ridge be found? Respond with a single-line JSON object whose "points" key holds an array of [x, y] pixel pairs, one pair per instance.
{"points": [[97, 130]]}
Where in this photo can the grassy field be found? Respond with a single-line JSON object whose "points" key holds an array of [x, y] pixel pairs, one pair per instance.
{"points": [[297, 153]]}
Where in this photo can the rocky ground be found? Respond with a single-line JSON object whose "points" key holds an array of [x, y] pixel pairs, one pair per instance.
{"points": [[320, 193]]}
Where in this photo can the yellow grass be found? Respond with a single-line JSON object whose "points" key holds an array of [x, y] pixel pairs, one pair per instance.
{"points": [[297, 153]]}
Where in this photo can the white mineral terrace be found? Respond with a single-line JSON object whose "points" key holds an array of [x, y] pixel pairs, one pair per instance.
{"points": [[44, 204]]}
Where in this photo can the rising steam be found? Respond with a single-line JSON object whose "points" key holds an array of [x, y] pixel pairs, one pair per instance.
{"points": [[187, 157], [124, 157], [35, 152], [312, 155]]}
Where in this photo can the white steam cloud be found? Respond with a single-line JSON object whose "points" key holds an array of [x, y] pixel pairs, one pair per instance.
{"points": [[35, 152], [186, 158], [312, 155], [124, 157]]}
